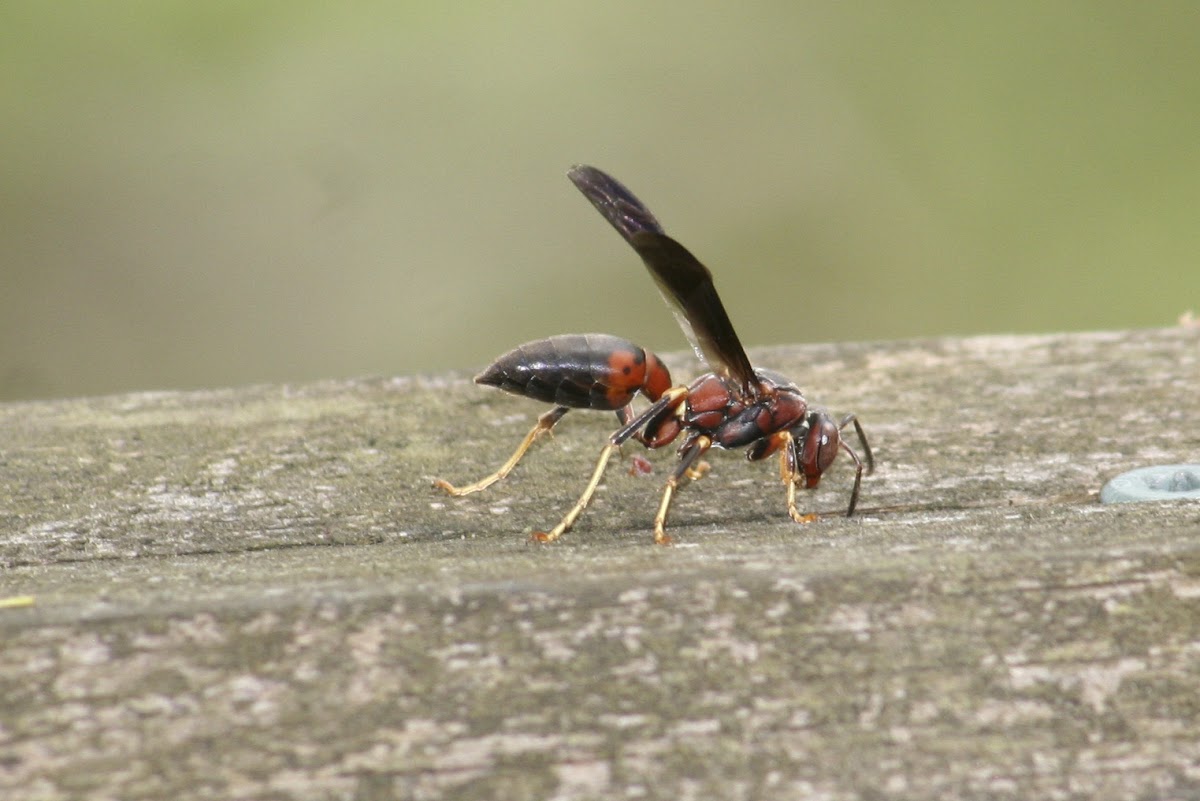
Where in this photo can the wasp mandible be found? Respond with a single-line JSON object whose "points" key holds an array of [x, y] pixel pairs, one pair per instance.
{"points": [[734, 406]]}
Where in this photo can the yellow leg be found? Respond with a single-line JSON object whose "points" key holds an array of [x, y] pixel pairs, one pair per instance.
{"points": [[690, 466], [544, 424], [660, 520], [569, 519], [787, 471], [792, 510]]}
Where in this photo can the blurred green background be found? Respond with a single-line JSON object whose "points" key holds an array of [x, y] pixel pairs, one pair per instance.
{"points": [[201, 194]]}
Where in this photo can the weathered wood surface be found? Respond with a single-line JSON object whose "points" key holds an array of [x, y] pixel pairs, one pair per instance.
{"points": [[254, 593]]}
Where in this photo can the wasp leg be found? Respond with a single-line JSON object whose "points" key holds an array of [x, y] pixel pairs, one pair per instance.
{"points": [[569, 519], [792, 510], [670, 399], [789, 471], [546, 422], [691, 452], [787, 468]]}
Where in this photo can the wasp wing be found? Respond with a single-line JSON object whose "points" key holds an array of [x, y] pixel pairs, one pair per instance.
{"points": [[683, 280], [610, 197]]}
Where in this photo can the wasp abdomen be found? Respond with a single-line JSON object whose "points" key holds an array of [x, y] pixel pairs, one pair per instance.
{"points": [[582, 371]]}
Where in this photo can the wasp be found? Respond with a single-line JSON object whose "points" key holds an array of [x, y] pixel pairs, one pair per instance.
{"points": [[734, 406]]}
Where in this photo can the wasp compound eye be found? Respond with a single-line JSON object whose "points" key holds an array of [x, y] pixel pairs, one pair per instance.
{"points": [[1172, 482]]}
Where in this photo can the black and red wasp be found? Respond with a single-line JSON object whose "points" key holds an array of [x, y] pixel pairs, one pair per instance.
{"points": [[735, 406]]}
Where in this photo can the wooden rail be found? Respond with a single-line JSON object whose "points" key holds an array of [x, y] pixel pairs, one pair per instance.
{"points": [[255, 593]]}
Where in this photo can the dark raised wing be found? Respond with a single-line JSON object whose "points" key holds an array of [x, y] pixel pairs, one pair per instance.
{"points": [[683, 280]]}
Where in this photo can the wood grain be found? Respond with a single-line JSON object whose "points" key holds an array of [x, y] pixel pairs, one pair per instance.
{"points": [[255, 593]]}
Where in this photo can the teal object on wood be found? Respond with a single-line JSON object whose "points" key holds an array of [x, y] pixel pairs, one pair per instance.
{"points": [[1170, 482]]}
